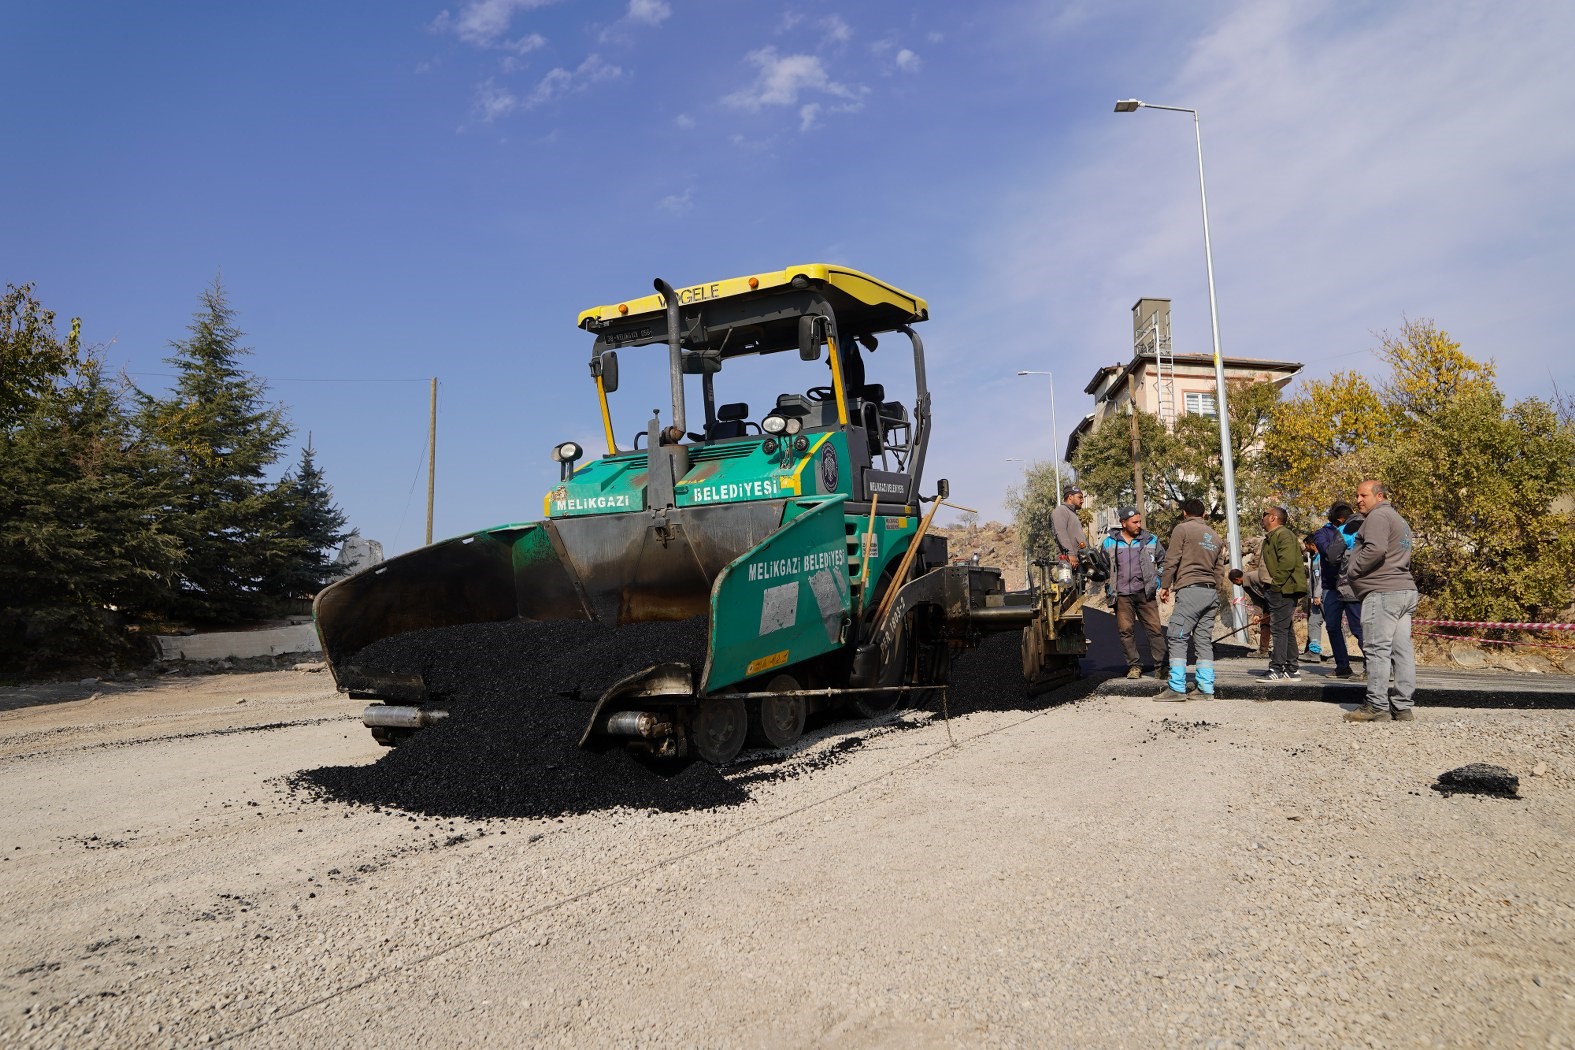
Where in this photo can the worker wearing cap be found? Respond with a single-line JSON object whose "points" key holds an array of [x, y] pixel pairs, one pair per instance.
{"points": [[1133, 556]]}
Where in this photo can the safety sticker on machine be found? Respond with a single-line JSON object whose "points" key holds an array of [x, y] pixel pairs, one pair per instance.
{"points": [[869, 546], [766, 663], [779, 607]]}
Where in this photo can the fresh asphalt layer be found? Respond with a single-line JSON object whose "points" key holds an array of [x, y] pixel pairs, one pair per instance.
{"points": [[1241, 676]]}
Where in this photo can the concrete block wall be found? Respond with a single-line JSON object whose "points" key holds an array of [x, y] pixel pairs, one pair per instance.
{"points": [[240, 645]]}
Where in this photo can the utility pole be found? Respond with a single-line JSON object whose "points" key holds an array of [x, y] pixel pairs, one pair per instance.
{"points": [[431, 459]]}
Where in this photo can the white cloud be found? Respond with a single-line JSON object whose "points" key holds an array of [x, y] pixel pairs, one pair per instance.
{"points": [[494, 102], [807, 116], [837, 31], [561, 81], [678, 203], [649, 12], [685, 121], [485, 24], [641, 13], [892, 57], [781, 79]]}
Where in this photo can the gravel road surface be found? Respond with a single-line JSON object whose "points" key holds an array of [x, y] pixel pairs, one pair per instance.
{"points": [[188, 863]]}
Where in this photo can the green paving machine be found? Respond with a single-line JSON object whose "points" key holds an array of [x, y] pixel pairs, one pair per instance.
{"points": [[799, 531]]}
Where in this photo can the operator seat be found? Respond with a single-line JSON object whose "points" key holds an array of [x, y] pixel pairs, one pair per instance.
{"points": [[731, 422], [870, 396]]}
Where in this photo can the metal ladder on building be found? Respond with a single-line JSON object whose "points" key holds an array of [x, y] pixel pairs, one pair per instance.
{"points": [[1153, 340]]}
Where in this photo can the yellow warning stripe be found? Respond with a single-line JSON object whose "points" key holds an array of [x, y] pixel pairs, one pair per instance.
{"points": [[794, 481]]}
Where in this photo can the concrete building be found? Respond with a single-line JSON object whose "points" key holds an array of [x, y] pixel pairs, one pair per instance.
{"points": [[1163, 383]]}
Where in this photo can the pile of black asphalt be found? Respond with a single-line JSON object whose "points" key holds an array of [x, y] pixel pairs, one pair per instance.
{"points": [[1479, 778], [520, 694]]}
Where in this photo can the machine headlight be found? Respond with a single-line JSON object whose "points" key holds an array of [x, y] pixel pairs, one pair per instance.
{"points": [[769, 444], [801, 443], [567, 452], [774, 424], [794, 424]]}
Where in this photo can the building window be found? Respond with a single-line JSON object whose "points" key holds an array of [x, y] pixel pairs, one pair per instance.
{"points": [[1200, 404]]}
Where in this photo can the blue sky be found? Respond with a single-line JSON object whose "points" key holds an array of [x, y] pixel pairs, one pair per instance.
{"points": [[398, 190]]}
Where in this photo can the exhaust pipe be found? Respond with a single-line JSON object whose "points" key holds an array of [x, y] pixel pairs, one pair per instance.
{"points": [[386, 716], [641, 725], [675, 356]]}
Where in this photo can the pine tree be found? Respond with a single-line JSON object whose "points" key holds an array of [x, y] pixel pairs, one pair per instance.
{"points": [[311, 528], [218, 437], [83, 545]]}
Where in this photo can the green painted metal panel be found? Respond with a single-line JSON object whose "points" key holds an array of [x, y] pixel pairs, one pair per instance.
{"points": [[613, 485], [785, 600], [821, 468], [892, 535], [721, 472]]}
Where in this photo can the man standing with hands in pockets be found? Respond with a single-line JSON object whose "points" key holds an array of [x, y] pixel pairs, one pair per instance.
{"points": [[1192, 567], [1379, 572]]}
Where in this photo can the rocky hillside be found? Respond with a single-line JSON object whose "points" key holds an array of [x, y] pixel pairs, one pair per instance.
{"points": [[996, 545]]}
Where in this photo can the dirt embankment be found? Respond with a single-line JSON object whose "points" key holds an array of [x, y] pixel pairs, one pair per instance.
{"points": [[996, 545]]}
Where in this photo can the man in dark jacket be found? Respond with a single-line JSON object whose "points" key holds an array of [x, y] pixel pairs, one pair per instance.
{"points": [[1380, 575], [1287, 572], [1133, 556], [1332, 548], [1192, 574]]}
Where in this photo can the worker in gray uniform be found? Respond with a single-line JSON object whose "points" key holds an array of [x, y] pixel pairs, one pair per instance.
{"points": [[1379, 569], [1192, 573], [1068, 529]]}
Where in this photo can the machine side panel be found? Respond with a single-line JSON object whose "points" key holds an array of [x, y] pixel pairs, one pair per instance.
{"points": [[784, 601]]}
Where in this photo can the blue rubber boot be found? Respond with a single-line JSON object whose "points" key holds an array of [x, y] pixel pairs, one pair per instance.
{"points": [[1205, 678]]}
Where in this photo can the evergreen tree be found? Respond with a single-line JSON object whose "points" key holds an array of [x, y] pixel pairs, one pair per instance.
{"points": [[312, 527], [218, 437], [33, 357], [83, 544]]}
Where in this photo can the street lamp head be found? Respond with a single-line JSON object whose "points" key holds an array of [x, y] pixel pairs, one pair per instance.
{"points": [[1128, 105], [1022, 373]]}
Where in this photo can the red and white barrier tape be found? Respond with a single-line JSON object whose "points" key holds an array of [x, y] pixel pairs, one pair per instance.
{"points": [[1499, 626], [1489, 641]]}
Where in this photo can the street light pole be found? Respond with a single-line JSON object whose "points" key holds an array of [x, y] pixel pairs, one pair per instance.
{"points": [[1055, 433], [1227, 458]]}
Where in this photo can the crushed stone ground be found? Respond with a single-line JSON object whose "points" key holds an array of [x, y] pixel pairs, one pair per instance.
{"points": [[1078, 870]]}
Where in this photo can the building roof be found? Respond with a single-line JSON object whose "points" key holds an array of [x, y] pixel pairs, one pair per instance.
{"points": [[1244, 364]]}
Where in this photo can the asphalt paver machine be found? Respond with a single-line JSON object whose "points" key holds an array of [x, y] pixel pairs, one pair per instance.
{"points": [[796, 526]]}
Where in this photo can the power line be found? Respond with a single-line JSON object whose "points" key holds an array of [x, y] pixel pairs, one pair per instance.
{"points": [[173, 375]]}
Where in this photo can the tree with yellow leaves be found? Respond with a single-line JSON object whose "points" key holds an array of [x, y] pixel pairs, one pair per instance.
{"points": [[1428, 371], [1312, 439], [1479, 479]]}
